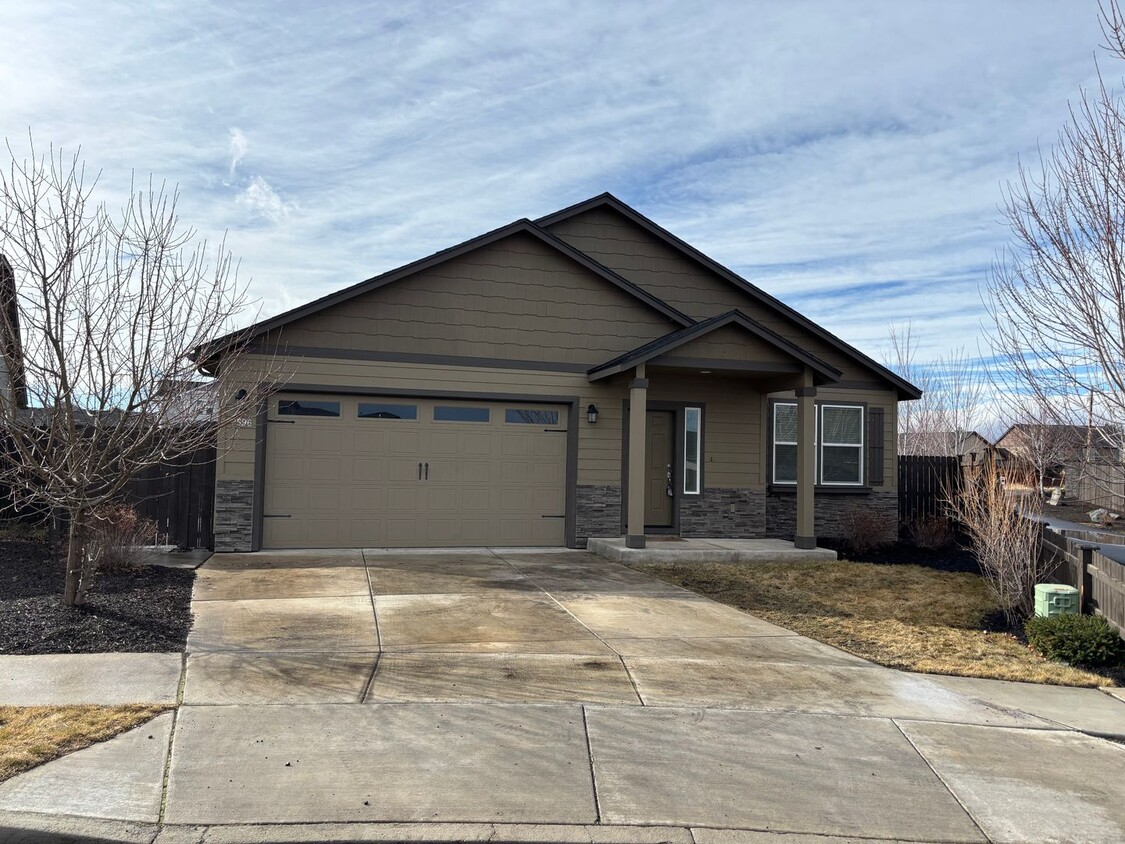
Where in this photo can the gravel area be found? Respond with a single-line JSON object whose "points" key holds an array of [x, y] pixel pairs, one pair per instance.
{"points": [[144, 611]]}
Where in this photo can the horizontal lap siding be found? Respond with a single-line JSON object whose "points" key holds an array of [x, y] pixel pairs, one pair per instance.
{"points": [[730, 343], [599, 445], [516, 300], [681, 282], [731, 427]]}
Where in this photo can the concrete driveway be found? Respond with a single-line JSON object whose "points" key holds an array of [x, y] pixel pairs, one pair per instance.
{"points": [[554, 695]]}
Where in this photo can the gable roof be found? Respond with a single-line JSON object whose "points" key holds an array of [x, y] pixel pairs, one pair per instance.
{"points": [[523, 226], [608, 200], [693, 332]]}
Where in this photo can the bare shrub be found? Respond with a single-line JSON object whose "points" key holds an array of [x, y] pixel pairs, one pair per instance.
{"points": [[930, 532], [1005, 537], [865, 530], [119, 537]]}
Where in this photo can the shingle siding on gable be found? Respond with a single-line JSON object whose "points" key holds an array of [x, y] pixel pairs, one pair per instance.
{"points": [[513, 300], [671, 276]]}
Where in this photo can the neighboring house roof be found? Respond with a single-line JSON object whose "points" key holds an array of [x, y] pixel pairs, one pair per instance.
{"points": [[905, 388], [17, 377], [678, 338], [1105, 441], [519, 227], [537, 229]]}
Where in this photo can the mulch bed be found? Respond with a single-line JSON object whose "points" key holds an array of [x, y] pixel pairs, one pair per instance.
{"points": [[954, 557], [143, 611]]}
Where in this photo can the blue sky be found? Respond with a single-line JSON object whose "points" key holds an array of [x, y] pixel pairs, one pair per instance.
{"points": [[845, 157]]}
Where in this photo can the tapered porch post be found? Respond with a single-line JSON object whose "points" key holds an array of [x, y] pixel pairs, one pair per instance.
{"points": [[806, 464], [638, 412]]}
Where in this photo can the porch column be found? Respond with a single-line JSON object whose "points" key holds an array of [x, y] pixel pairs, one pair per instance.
{"points": [[638, 412], [806, 464]]}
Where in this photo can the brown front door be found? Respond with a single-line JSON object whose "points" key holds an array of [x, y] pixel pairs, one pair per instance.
{"points": [[660, 425]]}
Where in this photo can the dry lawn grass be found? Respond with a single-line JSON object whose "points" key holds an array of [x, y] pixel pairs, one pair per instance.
{"points": [[32, 735], [902, 616]]}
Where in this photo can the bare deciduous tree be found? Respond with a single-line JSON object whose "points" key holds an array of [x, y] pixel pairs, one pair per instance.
{"points": [[101, 315], [953, 396], [1005, 535], [1057, 296]]}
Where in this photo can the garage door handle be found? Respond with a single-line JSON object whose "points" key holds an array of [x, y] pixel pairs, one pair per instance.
{"points": [[427, 471], [419, 471]]}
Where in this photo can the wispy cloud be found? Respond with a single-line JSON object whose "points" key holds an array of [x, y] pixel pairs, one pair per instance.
{"points": [[238, 146], [845, 157]]}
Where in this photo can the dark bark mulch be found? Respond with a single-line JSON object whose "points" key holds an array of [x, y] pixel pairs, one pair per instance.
{"points": [[953, 557], [143, 611]]}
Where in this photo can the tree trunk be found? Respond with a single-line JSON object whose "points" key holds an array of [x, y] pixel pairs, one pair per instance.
{"points": [[74, 549]]}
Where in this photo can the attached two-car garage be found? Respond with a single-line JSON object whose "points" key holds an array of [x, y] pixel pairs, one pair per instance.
{"points": [[380, 471]]}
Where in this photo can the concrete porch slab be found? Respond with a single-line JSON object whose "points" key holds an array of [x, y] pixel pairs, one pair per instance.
{"points": [[1029, 785], [432, 762], [513, 678], [121, 778], [679, 550], [104, 679], [784, 773]]}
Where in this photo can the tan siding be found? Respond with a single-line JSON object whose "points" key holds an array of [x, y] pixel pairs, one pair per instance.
{"points": [[731, 424], [516, 300], [599, 446], [669, 275], [730, 343]]}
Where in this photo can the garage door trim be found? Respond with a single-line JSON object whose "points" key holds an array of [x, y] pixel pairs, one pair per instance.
{"points": [[570, 402]]}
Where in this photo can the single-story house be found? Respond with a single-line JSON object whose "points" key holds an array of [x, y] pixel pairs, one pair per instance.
{"points": [[582, 375], [971, 446]]}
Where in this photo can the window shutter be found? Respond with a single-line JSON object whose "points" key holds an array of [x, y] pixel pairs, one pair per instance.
{"points": [[875, 439]]}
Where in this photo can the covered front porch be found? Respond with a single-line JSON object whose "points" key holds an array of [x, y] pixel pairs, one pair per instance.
{"points": [[669, 468]]}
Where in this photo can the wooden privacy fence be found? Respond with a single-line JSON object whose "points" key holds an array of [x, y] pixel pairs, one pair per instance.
{"points": [[179, 497], [923, 484], [1100, 485], [1072, 558]]}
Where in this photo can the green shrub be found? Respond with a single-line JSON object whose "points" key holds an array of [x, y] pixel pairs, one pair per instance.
{"points": [[1077, 639]]}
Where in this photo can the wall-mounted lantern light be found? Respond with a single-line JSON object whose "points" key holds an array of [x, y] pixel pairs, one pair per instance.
{"points": [[240, 394], [592, 414]]}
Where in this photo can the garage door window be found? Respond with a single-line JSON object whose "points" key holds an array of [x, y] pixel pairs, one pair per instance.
{"points": [[520, 416], [461, 414], [303, 407], [373, 410]]}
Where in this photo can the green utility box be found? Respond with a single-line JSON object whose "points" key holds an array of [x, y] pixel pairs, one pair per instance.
{"points": [[1055, 599]]}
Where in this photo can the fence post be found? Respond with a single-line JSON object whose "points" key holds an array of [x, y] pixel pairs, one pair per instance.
{"points": [[1084, 574]]}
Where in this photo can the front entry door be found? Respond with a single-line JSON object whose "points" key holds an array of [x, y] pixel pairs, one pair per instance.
{"points": [[660, 425]]}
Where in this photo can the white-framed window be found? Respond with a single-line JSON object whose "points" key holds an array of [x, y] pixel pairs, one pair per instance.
{"points": [[693, 442], [838, 444], [784, 443], [840, 456]]}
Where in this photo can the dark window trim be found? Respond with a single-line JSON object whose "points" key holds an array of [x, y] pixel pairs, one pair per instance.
{"points": [[818, 404]]}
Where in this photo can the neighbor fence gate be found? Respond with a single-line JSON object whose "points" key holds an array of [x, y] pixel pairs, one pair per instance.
{"points": [[924, 483]]}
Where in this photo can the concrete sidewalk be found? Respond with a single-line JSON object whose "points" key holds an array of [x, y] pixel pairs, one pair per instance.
{"points": [[105, 679], [531, 696]]}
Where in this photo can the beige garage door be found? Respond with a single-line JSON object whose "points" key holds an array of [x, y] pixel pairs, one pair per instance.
{"points": [[347, 471]]}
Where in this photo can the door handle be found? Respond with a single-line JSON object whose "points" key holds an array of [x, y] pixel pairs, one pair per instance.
{"points": [[419, 471], [427, 471]]}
